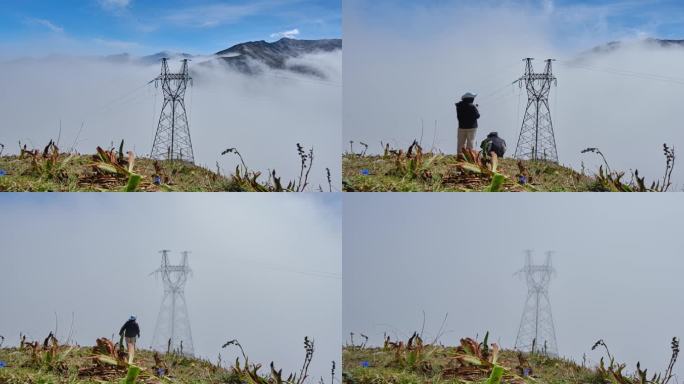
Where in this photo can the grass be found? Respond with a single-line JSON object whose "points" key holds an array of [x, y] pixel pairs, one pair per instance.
{"points": [[79, 176], [112, 170], [79, 367], [382, 369], [415, 171], [481, 362], [106, 362], [377, 173]]}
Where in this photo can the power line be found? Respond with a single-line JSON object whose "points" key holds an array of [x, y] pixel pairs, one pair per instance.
{"points": [[279, 267], [625, 73]]}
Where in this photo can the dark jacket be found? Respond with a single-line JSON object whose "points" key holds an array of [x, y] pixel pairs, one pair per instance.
{"points": [[467, 114], [130, 329], [493, 143]]}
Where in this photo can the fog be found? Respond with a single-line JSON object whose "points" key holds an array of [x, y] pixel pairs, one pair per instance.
{"points": [[405, 73], [266, 270], [618, 264], [264, 116]]}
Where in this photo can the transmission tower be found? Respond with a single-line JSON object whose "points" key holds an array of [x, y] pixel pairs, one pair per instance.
{"points": [[172, 332], [536, 332], [537, 140], [172, 139]]}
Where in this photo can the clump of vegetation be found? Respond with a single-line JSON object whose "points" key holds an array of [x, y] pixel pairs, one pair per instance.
{"points": [[608, 180], [48, 164], [247, 373], [246, 179], [613, 371], [110, 164]]}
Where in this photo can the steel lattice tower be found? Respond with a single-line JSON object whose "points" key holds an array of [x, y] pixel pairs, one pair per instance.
{"points": [[537, 140], [537, 332], [172, 331], [172, 139]]}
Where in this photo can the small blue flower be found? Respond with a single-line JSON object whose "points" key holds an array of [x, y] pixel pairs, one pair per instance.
{"points": [[365, 364], [365, 171], [2, 172]]}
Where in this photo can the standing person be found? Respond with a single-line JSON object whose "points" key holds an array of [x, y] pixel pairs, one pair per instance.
{"points": [[467, 114], [130, 330]]}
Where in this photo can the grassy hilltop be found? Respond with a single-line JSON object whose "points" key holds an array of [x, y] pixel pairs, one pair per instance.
{"points": [[113, 170], [413, 362], [51, 363], [412, 170], [80, 365]]}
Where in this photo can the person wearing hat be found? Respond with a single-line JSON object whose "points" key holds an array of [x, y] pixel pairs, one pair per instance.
{"points": [[131, 331], [467, 114], [493, 144]]}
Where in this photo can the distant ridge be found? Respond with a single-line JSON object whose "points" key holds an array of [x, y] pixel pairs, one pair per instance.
{"points": [[243, 57]]}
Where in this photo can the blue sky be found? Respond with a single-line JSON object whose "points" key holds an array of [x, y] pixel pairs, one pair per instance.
{"points": [[570, 23], [39, 27]]}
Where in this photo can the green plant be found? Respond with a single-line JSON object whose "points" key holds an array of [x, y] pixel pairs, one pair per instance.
{"points": [[496, 375], [132, 374], [113, 163]]}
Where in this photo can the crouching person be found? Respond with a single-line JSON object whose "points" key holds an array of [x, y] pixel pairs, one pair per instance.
{"points": [[493, 145]]}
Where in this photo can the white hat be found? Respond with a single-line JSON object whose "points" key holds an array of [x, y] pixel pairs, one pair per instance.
{"points": [[468, 95]]}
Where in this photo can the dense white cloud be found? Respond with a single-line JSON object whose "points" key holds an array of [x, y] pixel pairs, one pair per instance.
{"points": [[253, 256], [458, 253], [263, 116]]}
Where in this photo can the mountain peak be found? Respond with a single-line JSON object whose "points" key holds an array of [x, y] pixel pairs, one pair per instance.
{"points": [[276, 54]]}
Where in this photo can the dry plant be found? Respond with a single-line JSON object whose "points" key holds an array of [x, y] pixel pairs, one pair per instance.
{"points": [[613, 372], [249, 373], [610, 180], [244, 176], [49, 163]]}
